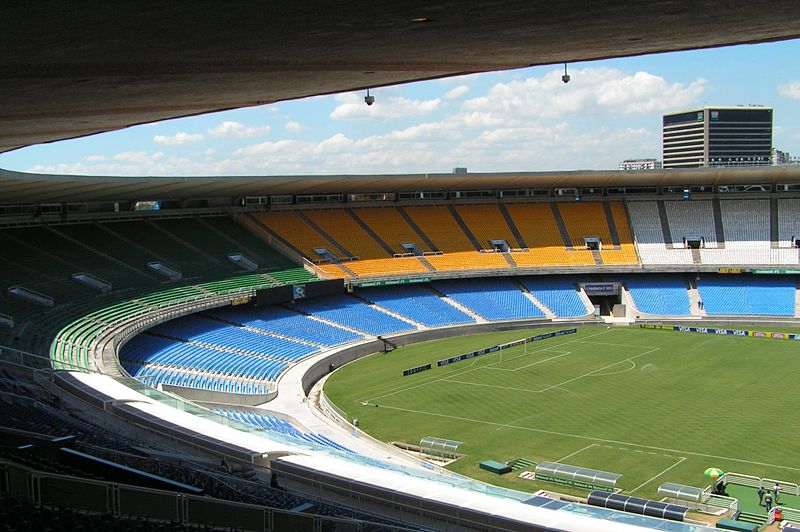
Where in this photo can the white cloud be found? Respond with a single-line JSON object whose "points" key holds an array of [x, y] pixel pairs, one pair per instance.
{"points": [[177, 139], [137, 156], [386, 107], [592, 90], [456, 92], [528, 124], [790, 90], [293, 127], [95, 158], [238, 130]]}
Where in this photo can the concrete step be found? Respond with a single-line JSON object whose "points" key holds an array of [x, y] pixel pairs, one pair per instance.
{"points": [[512, 225], [797, 300], [612, 224], [509, 260], [478, 318], [367, 229], [547, 312], [562, 228], [662, 216], [694, 300], [457, 217], [720, 229], [417, 230]]}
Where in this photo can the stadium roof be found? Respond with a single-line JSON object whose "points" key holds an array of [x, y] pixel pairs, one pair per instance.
{"points": [[76, 68], [22, 188]]}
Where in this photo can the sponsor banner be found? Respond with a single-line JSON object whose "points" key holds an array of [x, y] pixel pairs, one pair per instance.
{"points": [[657, 327], [731, 332], [392, 282], [729, 270], [776, 271], [575, 483], [418, 369], [298, 291], [467, 356]]}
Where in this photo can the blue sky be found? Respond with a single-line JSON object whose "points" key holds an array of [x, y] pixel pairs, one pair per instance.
{"points": [[521, 120]]}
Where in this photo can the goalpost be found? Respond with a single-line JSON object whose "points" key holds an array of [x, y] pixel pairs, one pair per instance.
{"points": [[505, 347]]}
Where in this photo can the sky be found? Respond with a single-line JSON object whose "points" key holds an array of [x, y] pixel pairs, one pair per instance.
{"points": [[519, 120]]}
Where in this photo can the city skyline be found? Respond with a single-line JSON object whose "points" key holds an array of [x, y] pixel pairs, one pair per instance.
{"points": [[520, 120]]}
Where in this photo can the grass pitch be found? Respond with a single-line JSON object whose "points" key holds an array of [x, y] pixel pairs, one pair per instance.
{"points": [[654, 406]]}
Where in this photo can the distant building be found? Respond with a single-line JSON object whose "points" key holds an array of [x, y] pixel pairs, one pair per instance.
{"points": [[460, 170], [718, 136], [780, 157], [640, 164]]}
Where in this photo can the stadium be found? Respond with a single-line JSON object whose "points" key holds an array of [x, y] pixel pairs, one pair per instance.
{"points": [[565, 350], [632, 312]]}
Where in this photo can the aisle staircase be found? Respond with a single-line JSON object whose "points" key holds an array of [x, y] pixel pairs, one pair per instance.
{"points": [[759, 520], [797, 300], [694, 299], [522, 463]]}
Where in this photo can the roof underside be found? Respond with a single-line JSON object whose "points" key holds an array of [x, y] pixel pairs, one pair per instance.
{"points": [[70, 69], [22, 188]]}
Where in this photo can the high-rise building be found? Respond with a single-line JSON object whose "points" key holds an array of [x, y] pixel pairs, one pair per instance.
{"points": [[780, 157], [718, 136], [640, 164]]}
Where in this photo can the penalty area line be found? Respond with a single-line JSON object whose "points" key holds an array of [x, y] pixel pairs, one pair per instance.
{"points": [[470, 369]]}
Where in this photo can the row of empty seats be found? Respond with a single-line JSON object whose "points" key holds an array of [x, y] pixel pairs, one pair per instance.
{"points": [[217, 334], [761, 295], [558, 294], [661, 295], [353, 313], [539, 234], [144, 354], [284, 322], [492, 299], [237, 365], [417, 303], [451, 237], [279, 425]]}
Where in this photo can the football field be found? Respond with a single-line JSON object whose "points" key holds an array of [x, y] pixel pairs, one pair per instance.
{"points": [[654, 406]]}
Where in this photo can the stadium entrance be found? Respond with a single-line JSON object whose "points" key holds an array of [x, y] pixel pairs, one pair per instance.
{"points": [[606, 298]]}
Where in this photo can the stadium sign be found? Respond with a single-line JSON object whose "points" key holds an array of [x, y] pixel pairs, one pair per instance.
{"points": [[601, 289], [732, 332], [729, 270], [418, 369], [777, 271], [572, 482], [494, 348], [392, 282]]}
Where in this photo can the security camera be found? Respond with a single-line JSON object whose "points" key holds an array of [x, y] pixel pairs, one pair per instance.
{"points": [[369, 100], [565, 78]]}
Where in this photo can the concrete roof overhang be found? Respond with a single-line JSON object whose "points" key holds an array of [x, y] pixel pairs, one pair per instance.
{"points": [[69, 69]]}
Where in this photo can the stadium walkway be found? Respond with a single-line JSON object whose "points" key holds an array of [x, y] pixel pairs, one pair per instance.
{"points": [[291, 400]]}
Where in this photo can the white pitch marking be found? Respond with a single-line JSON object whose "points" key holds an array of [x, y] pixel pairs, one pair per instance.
{"points": [[618, 345], [645, 483], [630, 359], [590, 438], [562, 354], [576, 452], [471, 369], [632, 366], [558, 386]]}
